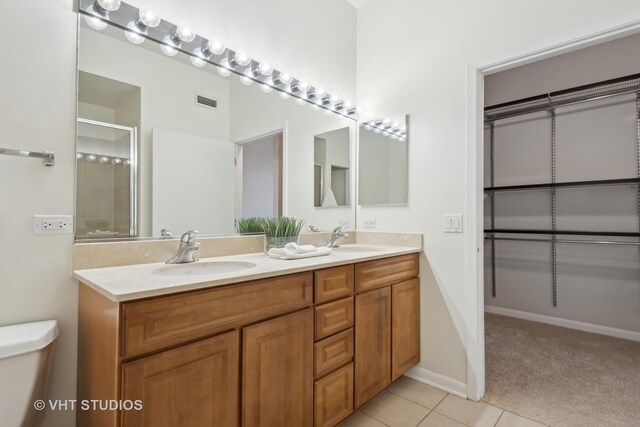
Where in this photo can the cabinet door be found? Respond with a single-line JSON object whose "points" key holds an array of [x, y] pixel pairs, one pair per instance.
{"points": [[192, 385], [373, 344], [277, 367], [405, 326]]}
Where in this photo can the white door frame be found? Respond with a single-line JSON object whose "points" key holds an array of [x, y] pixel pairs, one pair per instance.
{"points": [[475, 194]]}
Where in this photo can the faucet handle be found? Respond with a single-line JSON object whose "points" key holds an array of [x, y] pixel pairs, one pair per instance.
{"points": [[339, 229], [189, 236]]}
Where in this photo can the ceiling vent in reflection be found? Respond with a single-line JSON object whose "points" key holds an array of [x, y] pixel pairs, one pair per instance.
{"points": [[203, 101]]}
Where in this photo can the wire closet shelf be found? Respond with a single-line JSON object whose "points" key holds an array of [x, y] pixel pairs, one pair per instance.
{"points": [[549, 102]]}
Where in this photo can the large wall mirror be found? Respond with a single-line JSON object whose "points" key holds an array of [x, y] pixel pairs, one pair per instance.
{"points": [[382, 167], [166, 145]]}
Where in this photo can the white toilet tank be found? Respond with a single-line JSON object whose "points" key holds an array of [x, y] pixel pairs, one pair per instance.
{"points": [[26, 352]]}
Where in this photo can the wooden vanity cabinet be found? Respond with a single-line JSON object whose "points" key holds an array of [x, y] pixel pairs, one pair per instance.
{"points": [[303, 349], [387, 323]]}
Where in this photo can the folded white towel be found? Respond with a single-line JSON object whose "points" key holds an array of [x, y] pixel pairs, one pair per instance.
{"points": [[300, 249], [284, 253]]}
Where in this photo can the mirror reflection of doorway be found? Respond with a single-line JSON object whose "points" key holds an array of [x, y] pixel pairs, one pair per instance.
{"points": [[259, 172], [318, 183]]}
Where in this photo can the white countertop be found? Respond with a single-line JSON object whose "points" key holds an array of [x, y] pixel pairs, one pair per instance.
{"points": [[139, 281]]}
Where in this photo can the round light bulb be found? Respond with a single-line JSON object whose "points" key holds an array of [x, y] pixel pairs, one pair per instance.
{"points": [[376, 130], [148, 17], [116, 161], [247, 78], [318, 92], [104, 159], [367, 126], [265, 69], [133, 34], [334, 99], [127, 162], [79, 156], [197, 62], [199, 59], [224, 69], [95, 22], [185, 34], [241, 59], [285, 95], [285, 78], [91, 157], [109, 5], [300, 101], [303, 86], [215, 47], [267, 86], [167, 48]]}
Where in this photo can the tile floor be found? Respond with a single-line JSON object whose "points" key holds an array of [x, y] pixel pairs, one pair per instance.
{"points": [[409, 403]]}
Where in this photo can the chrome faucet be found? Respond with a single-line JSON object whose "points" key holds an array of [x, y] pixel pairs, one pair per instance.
{"points": [[337, 236], [188, 246]]}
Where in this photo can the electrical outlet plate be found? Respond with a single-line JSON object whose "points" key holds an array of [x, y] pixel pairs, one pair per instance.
{"points": [[53, 224], [343, 222], [369, 222]]}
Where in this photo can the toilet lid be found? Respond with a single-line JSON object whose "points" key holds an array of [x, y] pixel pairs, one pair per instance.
{"points": [[26, 337]]}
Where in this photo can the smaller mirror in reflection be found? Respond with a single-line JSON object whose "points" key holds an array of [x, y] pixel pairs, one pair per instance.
{"points": [[331, 161], [383, 148]]}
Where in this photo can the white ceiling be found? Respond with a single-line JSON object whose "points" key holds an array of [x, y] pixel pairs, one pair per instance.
{"points": [[359, 3]]}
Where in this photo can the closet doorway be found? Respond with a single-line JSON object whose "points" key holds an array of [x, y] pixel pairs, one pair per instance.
{"points": [[562, 237], [259, 168]]}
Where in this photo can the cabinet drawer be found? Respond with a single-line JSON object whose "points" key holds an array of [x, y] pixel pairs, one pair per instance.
{"points": [[333, 283], [334, 317], [334, 397], [333, 351], [154, 324], [383, 272]]}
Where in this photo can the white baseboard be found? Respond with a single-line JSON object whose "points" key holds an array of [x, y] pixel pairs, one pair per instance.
{"points": [[439, 381], [572, 324]]}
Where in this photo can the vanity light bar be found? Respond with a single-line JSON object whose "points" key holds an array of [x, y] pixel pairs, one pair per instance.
{"points": [[387, 127], [102, 159], [143, 24]]}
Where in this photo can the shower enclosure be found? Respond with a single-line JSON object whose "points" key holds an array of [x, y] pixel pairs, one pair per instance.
{"points": [[105, 180]]}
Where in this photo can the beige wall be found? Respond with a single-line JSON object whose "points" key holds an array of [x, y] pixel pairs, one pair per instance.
{"points": [[412, 58], [38, 111]]}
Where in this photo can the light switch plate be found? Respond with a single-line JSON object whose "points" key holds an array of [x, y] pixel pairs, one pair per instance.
{"points": [[53, 224], [452, 223]]}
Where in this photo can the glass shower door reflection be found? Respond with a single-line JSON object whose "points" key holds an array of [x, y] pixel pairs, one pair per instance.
{"points": [[105, 181]]}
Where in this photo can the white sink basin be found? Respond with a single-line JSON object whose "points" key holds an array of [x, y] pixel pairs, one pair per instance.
{"points": [[358, 249], [203, 268]]}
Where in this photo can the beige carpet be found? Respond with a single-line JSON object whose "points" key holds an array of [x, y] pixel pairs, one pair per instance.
{"points": [[559, 376]]}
